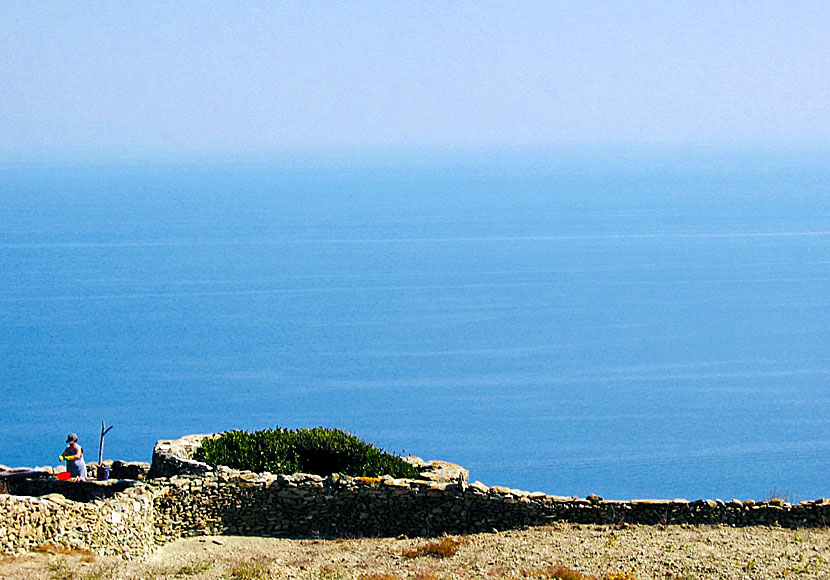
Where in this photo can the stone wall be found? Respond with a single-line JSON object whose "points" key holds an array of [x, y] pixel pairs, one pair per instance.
{"points": [[244, 503], [188, 498], [121, 526], [79, 491], [175, 457]]}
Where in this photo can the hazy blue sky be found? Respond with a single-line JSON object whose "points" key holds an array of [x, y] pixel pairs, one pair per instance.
{"points": [[108, 78]]}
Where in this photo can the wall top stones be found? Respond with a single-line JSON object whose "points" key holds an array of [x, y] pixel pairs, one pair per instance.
{"points": [[175, 457]]}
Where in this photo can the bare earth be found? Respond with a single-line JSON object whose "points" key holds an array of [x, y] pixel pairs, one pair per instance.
{"points": [[641, 552]]}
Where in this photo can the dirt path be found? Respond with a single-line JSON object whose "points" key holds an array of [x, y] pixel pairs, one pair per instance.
{"points": [[641, 552]]}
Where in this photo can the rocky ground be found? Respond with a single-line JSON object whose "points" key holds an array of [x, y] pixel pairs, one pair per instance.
{"points": [[633, 552]]}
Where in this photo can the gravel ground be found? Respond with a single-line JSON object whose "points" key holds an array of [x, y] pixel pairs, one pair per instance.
{"points": [[633, 552]]}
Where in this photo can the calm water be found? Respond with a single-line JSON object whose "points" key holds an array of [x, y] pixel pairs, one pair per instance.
{"points": [[652, 330]]}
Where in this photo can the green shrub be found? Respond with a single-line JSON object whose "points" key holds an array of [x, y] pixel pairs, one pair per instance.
{"points": [[319, 450]]}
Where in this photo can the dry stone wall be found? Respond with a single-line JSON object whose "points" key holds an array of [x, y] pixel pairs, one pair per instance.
{"points": [[187, 498], [121, 526], [232, 502]]}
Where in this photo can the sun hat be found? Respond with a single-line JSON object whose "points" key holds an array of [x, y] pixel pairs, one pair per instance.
{"points": [[72, 437]]}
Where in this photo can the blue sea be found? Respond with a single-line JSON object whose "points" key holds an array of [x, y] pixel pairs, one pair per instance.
{"points": [[631, 325]]}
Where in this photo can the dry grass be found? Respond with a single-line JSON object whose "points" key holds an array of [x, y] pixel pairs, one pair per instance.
{"points": [[556, 573], [60, 571], [443, 548], [49, 548], [193, 568], [101, 572], [563, 573], [563, 552], [254, 569], [330, 572]]}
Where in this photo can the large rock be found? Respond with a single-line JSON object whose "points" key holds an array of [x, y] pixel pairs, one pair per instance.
{"points": [[175, 457], [439, 471]]}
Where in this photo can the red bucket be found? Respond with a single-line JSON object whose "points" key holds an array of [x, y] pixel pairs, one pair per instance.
{"points": [[63, 476]]}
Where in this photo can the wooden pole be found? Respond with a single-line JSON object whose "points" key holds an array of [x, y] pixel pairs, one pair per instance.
{"points": [[104, 431]]}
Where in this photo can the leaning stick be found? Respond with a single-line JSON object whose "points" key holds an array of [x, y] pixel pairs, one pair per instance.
{"points": [[104, 431]]}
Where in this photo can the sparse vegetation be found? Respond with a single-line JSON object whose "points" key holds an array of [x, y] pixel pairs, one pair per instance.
{"points": [[255, 569], [330, 573], [443, 548], [564, 552], [193, 568], [60, 571], [563, 573], [320, 451], [556, 573], [100, 572], [49, 548]]}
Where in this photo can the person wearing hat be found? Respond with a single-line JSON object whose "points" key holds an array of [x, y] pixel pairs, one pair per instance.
{"points": [[74, 457]]}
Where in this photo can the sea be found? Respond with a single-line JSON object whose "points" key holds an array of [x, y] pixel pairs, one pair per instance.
{"points": [[643, 324]]}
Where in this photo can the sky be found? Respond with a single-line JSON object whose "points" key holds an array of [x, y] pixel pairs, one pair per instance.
{"points": [[213, 78]]}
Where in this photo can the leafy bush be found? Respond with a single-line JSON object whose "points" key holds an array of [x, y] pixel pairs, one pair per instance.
{"points": [[320, 451]]}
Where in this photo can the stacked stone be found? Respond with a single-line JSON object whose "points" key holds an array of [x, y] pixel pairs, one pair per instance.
{"points": [[27, 522], [699, 512], [126, 524], [264, 504], [302, 505], [123, 526], [128, 517], [173, 457], [79, 491], [237, 502], [136, 470]]}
